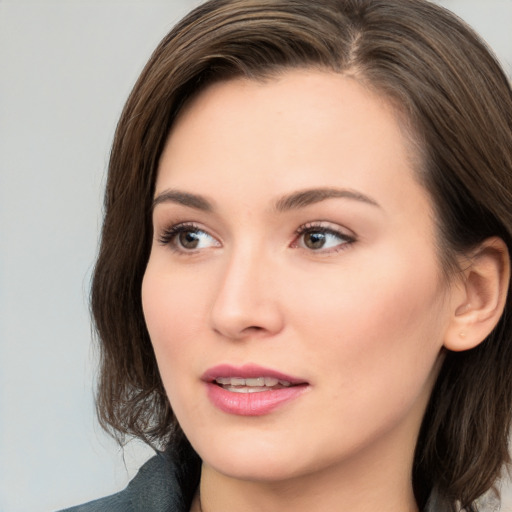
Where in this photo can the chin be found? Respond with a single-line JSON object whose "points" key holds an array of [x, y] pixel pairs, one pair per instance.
{"points": [[255, 469], [252, 459]]}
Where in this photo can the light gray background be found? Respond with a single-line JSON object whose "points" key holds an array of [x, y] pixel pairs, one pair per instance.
{"points": [[66, 69]]}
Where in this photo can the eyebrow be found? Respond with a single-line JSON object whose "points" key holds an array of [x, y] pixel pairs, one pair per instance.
{"points": [[184, 198], [296, 200], [304, 198]]}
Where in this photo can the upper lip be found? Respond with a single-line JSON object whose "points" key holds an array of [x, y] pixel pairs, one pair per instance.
{"points": [[247, 371]]}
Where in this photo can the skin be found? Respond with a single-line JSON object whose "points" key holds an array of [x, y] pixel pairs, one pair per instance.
{"points": [[362, 319]]}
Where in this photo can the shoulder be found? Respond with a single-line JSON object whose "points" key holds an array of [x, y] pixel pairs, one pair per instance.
{"points": [[155, 488]]}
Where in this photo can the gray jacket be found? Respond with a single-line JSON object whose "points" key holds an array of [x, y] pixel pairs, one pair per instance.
{"points": [[155, 488]]}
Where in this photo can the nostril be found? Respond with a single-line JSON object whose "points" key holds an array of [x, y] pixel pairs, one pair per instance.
{"points": [[253, 328]]}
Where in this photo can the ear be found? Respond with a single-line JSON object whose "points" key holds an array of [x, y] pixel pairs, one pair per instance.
{"points": [[479, 298]]}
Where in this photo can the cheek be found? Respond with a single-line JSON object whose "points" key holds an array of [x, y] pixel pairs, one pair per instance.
{"points": [[375, 340], [173, 306], [380, 325]]}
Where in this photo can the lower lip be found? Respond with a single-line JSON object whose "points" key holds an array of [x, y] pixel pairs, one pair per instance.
{"points": [[252, 404]]}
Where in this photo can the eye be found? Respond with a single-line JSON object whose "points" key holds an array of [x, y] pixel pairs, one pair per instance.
{"points": [[187, 238], [320, 238]]}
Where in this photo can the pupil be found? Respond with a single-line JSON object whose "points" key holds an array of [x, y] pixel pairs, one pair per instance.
{"points": [[315, 240], [189, 239]]}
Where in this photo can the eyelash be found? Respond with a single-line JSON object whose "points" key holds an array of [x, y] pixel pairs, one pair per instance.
{"points": [[168, 236], [312, 227]]}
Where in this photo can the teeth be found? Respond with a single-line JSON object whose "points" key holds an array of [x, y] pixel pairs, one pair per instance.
{"points": [[250, 384], [223, 380], [260, 381], [271, 381], [245, 389]]}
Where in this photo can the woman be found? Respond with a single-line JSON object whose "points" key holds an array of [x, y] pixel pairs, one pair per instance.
{"points": [[301, 292]]}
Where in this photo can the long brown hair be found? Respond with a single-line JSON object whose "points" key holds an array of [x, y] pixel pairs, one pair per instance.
{"points": [[458, 105]]}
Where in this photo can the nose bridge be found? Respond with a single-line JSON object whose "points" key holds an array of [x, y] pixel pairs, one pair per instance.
{"points": [[245, 301]]}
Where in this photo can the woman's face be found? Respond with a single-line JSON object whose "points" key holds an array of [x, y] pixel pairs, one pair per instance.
{"points": [[293, 294]]}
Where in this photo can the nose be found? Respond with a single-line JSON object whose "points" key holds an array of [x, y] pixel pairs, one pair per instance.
{"points": [[246, 303]]}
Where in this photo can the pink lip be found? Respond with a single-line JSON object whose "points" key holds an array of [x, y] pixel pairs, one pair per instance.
{"points": [[250, 404]]}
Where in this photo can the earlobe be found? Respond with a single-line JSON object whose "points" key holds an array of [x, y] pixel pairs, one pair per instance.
{"points": [[480, 298]]}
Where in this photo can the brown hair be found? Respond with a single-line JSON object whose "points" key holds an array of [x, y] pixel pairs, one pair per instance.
{"points": [[444, 79]]}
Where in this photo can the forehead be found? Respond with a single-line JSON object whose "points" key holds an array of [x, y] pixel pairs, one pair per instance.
{"points": [[300, 129]]}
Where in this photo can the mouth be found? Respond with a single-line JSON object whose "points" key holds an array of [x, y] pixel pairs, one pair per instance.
{"points": [[251, 390]]}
